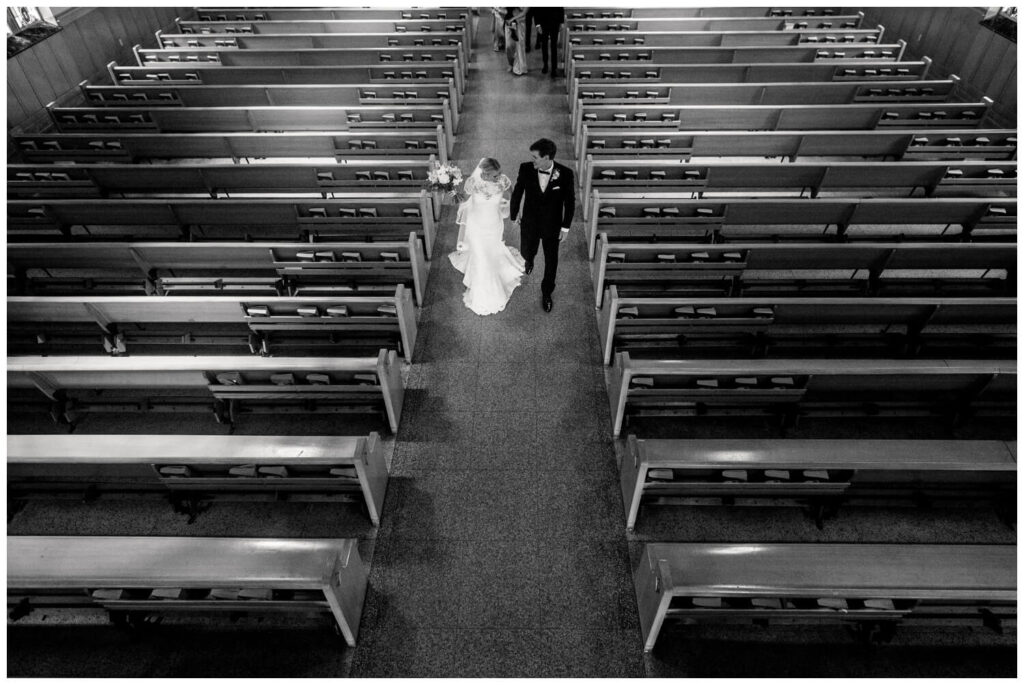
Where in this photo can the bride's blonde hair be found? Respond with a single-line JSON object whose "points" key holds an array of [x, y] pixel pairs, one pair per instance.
{"points": [[489, 164]]}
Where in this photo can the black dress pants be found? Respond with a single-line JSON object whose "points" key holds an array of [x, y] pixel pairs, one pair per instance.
{"points": [[549, 46], [531, 242]]}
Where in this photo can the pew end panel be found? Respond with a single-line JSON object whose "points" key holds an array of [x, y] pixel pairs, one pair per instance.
{"points": [[389, 374], [606, 322], [345, 591], [652, 581], [618, 389], [632, 477], [373, 476]]}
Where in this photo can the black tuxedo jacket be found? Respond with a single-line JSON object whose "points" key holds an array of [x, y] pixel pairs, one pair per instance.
{"points": [[544, 212]]}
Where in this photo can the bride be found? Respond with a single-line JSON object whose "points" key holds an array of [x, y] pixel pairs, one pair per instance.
{"points": [[492, 269]]}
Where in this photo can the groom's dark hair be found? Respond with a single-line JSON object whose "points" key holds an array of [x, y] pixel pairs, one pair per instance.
{"points": [[545, 148]]}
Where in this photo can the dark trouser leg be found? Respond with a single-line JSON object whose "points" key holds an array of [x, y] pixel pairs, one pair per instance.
{"points": [[529, 241], [547, 286], [529, 27], [552, 45]]}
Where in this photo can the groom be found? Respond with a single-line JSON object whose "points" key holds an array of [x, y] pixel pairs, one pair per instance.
{"points": [[548, 207]]}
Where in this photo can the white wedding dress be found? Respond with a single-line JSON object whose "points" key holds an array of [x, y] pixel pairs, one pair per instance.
{"points": [[491, 269]]}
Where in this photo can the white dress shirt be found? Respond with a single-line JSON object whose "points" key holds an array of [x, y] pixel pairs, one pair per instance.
{"points": [[544, 178]]}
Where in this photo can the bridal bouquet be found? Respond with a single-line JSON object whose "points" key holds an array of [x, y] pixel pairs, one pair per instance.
{"points": [[444, 180]]}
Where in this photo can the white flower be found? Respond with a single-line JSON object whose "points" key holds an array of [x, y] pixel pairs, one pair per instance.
{"points": [[442, 177]]}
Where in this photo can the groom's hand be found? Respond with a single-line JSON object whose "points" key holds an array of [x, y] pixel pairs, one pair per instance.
{"points": [[563, 234]]}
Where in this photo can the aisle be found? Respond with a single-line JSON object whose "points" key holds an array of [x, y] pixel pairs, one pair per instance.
{"points": [[502, 551]]}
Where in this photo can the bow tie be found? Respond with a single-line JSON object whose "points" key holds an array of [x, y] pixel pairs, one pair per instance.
{"points": [[543, 172]]}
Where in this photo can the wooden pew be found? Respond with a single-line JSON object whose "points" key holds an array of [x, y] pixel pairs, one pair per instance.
{"points": [[867, 586], [660, 38], [631, 217], [824, 473], [682, 12], [786, 389], [943, 178], [235, 57], [724, 22], [134, 576], [225, 386], [303, 26], [426, 74], [345, 217], [216, 268], [806, 269], [118, 147], [595, 75], [650, 120], [663, 39], [770, 93], [397, 177], [611, 56], [307, 14], [285, 326], [450, 39], [201, 467], [157, 95], [710, 327], [994, 144], [154, 119]]}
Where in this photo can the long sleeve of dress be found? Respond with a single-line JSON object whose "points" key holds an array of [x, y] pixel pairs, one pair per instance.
{"points": [[517, 194]]}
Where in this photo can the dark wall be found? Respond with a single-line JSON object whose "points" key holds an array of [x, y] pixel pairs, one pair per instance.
{"points": [[92, 37], [954, 39]]}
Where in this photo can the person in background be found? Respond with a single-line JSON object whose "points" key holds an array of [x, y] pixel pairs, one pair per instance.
{"points": [[498, 28], [549, 22], [515, 46]]}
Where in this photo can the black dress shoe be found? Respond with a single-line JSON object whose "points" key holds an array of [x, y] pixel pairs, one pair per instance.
{"points": [[546, 303], [544, 70], [529, 268]]}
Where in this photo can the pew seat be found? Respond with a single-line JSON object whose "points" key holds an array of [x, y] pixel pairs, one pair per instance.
{"points": [[131, 577]]}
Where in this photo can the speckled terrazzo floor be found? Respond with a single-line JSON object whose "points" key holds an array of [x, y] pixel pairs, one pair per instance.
{"points": [[502, 550]]}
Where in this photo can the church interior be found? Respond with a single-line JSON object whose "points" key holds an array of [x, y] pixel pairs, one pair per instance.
{"points": [[766, 428]]}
